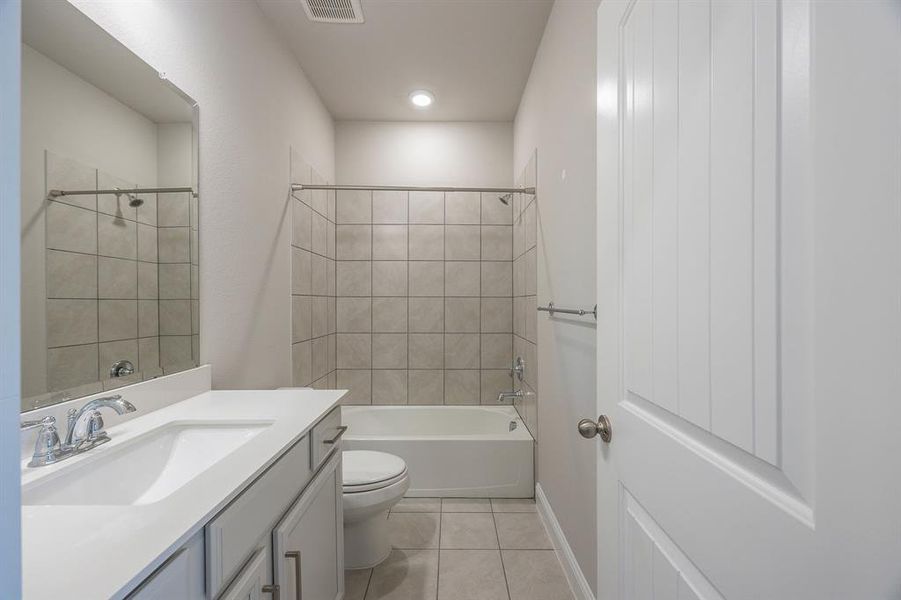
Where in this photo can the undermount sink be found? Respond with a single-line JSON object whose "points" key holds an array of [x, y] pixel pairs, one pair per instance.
{"points": [[143, 470]]}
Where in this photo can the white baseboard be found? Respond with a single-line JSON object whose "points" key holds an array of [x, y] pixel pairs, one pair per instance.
{"points": [[574, 575]]}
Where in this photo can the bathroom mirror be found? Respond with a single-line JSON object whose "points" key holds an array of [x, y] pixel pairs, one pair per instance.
{"points": [[109, 213]]}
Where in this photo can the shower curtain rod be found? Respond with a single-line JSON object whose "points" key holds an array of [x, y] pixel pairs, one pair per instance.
{"points": [[163, 190], [296, 187]]}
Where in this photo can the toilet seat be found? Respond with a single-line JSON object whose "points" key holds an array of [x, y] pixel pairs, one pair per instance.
{"points": [[366, 470]]}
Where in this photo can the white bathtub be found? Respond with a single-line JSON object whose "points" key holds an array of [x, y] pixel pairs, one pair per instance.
{"points": [[450, 451]]}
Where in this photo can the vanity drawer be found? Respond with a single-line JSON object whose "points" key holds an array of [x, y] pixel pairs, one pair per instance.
{"points": [[233, 535], [326, 435]]}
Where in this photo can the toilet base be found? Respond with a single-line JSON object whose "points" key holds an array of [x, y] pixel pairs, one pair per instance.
{"points": [[366, 542]]}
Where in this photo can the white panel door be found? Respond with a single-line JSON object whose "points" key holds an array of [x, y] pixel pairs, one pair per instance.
{"points": [[749, 313]]}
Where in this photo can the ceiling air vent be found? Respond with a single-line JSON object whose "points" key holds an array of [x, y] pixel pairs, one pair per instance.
{"points": [[333, 11]]}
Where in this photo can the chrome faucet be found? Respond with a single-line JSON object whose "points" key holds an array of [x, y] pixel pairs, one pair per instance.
{"points": [[507, 395], [85, 424], [85, 431]]}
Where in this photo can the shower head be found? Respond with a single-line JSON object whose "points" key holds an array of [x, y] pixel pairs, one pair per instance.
{"points": [[133, 201], [505, 199]]}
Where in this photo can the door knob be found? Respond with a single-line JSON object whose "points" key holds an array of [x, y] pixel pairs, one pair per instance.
{"points": [[589, 429]]}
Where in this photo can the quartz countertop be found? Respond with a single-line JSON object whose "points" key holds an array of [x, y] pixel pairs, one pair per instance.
{"points": [[95, 551]]}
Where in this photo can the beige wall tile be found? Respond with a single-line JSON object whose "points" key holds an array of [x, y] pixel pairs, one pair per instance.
{"points": [[426, 386], [175, 317], [389, 207], [461, 351], [301, 318], [359, 386], [463, 242], [112, 352], [389, 278], [71, 275], [389, 351], [427, 207], [497, 242], [462, 387], [426, 351], [354, 206], [301, 225], [354, 278], [71, 322], [354, 315], [463, 208], [426, 242], [354, 351], [354, 242], [147, 243], [172, 210], [112, 204], [389, 315], [319, 351], [174, 244], [302, 363], [71, 366], [427, 315], [66, 174], [320, 235], [461, 315], [319, 274], [149, 354], [497, 350], [389, 242], [389, 386], [497, 278], [301, 272], [175, 281], [462, 278], [119, 238], [427, 278], [497, 315], [71, 228]]}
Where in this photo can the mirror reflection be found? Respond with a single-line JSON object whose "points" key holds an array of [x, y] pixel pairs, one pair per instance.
{"points": [[110, 292]]}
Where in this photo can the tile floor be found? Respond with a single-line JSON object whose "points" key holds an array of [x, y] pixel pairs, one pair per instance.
{"points": [[464, 549]]}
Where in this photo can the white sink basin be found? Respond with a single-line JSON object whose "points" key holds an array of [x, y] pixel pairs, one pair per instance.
{"points": [[145, 469]]}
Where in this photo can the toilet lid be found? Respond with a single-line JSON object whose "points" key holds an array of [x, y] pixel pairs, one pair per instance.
{"points": [[365, 468]]}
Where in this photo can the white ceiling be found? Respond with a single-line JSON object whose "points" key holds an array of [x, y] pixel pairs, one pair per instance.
{"points": [[64, 34], [474, 55]]}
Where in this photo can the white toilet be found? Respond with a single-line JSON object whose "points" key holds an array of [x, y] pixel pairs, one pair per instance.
{"points": [[373, 483]]}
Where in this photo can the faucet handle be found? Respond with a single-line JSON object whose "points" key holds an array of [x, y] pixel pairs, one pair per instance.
{"points": [[47, 447]]}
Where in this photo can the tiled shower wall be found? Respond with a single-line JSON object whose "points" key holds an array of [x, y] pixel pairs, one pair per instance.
{"points": [[313, 281], [525, 275], [121, 281], [424, 297]]}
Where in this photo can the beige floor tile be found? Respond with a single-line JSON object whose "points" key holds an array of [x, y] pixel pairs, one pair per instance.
{"points": [[470, 531], [475, 505], [471, 575], [405, 575], [510, 505], [418, 505], [522, 531], [413, 530], [355, 583], [535, 575]]}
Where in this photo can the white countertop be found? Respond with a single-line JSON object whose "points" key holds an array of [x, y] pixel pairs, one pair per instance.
{"points": [[105, 551]]}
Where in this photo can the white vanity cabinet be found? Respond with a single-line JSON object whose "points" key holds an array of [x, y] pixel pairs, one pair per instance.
{"points": [[255, 580], [308, 542], [180, 575]]}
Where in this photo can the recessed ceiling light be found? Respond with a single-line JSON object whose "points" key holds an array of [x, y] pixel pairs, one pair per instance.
{"points": [[421, 98]]}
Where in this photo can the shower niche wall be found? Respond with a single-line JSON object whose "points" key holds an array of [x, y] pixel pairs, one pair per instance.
{"points": [[110, 289]]}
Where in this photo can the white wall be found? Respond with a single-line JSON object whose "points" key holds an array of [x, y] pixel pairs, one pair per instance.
{"points": [[255, 102], [465, 154], [10, 53], [557, 116], [68, 116]]}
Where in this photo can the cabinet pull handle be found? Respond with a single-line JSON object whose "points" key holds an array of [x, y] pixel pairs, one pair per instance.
{"points": [[272, 589], [334, 440], [298, 592]]}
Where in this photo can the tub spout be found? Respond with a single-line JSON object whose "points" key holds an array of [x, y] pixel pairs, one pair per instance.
{"points": [[509, 395]]}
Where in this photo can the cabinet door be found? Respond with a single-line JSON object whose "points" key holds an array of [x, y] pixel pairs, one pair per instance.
{"points": [[254, 580], [180, 576], [309, 541]]}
